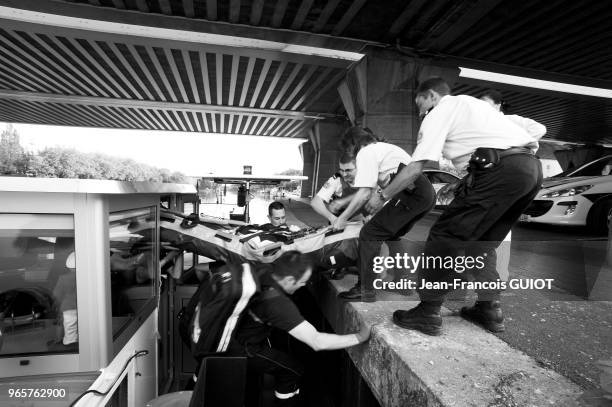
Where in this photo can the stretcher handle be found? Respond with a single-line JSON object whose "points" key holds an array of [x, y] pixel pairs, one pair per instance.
{"points": [[272, 250], [249, 237], [224, 238], [333, 232]]}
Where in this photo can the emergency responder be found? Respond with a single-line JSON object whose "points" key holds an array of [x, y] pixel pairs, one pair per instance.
{"points": [[504, 177], [337, 191], [272, 308], [376, 163]]}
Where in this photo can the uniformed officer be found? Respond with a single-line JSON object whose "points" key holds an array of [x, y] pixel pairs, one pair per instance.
{"points": [[533, 128], [376, 163], [337, 191], [504, 176], [272, 308]]}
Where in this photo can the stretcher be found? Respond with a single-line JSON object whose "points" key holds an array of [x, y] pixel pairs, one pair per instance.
{"points": [[234, 242]]}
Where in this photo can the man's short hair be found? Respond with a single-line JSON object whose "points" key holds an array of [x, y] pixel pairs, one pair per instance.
{"points": [[347, 157], [494, 95], [356, 137], [275, 206], [436, 84], [291, 264], [497, 98]]}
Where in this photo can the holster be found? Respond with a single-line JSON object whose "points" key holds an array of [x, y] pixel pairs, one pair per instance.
{"points": [[484, 158]]}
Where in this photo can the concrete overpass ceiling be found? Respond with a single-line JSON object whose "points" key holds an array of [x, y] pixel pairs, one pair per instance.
{"points": [[79, 77], [560, 40], [549, 36]]}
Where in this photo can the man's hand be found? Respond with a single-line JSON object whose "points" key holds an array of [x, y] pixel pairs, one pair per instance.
{"points": [[374, 203], [339, 223], [447, 193], [364, 333]]}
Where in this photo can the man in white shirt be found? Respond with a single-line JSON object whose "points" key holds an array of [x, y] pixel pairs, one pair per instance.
{"points": [[337, 191], [535, 129], [376, 163], [504, 177]]}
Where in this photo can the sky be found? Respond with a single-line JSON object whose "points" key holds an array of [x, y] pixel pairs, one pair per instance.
{"points": [[193, 154]]}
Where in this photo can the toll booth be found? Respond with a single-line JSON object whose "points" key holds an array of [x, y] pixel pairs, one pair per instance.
{"points": [[79, 289]]}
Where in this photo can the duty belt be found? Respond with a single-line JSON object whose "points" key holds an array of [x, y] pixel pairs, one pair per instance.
{"points": [[514, 150], [486, 158]]}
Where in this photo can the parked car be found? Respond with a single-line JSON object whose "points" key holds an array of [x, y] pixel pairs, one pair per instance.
{"points": [[579, 197], [440, 179]]}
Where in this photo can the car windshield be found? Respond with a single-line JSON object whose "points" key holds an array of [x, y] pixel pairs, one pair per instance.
{"points": [[602, 166]]}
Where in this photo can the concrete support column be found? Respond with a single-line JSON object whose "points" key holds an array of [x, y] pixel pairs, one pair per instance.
{"points": [[320, 154], [378, 93], [307, 151]]}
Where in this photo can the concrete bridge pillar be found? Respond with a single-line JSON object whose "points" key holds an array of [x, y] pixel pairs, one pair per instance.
{"points": [[321, 154], [377, 92]]}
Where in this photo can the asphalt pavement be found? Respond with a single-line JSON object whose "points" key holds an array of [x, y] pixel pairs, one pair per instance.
{"points": [[559, 327]]}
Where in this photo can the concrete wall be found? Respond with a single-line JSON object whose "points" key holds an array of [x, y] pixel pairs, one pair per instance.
{"points": [[325, 138]]}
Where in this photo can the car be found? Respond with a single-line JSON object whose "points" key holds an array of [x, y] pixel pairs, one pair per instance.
{"points": [[578, 197], [440, 179]]}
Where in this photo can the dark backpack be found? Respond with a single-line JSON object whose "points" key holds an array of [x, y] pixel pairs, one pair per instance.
{"points": [[208, 322]]}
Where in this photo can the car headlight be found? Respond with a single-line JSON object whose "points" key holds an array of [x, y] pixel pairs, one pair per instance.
{"points": [[568, 192]]}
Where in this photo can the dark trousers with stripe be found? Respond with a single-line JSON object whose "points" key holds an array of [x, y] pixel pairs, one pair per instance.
{"points": [[475, 223], [394, 220], [262, 358]]}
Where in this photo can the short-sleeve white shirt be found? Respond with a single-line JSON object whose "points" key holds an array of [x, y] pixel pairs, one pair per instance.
{"points": [[332, 187], [458, 125], [376, 162]]}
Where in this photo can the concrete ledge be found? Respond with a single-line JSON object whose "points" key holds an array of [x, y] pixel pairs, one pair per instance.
{"points": [[465, 366]]}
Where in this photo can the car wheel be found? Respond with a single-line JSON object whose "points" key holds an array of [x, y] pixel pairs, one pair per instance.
{"points": [[597, 220]]}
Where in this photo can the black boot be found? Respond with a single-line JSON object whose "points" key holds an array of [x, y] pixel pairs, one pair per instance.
{"points": [[356, 294], [425, 317], [487, 314]]}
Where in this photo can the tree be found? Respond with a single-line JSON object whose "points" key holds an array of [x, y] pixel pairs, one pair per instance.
{"points": [[13, 157], [291, 185], [59, 162]]}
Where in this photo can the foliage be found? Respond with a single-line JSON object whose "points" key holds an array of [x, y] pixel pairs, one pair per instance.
{"points": [[13, 157], [291, 186], [59, 162]]}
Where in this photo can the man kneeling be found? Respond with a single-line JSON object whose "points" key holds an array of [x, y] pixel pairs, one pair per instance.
{"points": [[272, 308]]}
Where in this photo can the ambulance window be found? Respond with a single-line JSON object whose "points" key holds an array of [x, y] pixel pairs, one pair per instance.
{"points": [[132, 264], [38, 298]]}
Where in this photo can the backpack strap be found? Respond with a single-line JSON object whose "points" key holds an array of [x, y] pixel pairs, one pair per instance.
{"points": [[249, 288]]}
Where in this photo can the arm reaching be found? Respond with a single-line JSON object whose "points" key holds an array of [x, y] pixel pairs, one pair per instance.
{"points": [[404, 178], [337, 205], [358, 199], [307, 333], [319, 207]]}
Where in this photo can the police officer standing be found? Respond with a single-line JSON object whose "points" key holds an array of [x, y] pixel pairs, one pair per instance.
{"points": [[504, 177]]}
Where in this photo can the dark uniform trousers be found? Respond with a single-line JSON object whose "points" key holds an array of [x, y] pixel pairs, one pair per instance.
{"points": [[262, 358], [394, 220], [482, 213]]}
